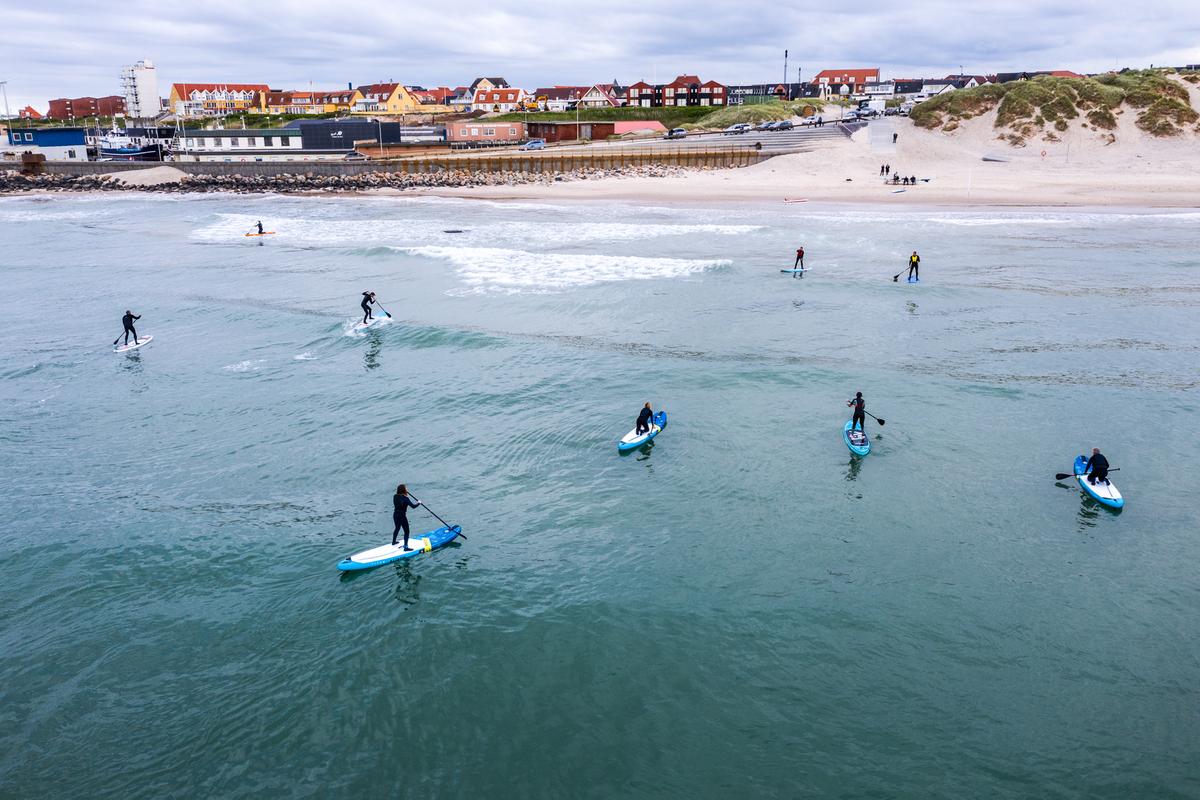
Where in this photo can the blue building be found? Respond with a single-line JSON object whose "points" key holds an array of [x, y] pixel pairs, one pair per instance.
{"points": [[56, 144]]}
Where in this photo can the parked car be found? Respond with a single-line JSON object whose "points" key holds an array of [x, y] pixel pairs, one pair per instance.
{"points": [[534, 144], [740, 127], [783, 125], [765, 126], [676, 133]]}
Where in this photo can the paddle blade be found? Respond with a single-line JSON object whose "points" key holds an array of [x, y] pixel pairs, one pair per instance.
{"points": [[881, 421], [1061, 476]]}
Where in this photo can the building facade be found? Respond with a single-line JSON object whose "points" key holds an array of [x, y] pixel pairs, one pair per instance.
{"points": [[80, 107], [499, 100], [310, 140], [481, 133], [856, 79], [139, 84], [685, 90], [385, 98], [56, 144], [217, 99]]}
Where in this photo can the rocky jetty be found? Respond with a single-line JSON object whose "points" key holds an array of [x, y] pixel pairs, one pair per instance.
{"points": [[310, 182]]}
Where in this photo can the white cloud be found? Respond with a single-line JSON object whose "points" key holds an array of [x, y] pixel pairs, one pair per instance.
{"points": [[72, 48]]}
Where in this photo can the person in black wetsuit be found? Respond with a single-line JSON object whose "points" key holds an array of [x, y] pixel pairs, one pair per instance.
{"points": [[368, 299], [127, 321], [402, 501], [1097, 468], [859, 420], [260, 228], [914, 266], [643, 420]]}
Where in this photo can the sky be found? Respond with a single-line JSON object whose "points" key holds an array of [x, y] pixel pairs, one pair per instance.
{"points": [[72, 48]]}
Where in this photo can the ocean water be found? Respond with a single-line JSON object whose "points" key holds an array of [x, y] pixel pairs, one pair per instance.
{"points": [[740, 610]]}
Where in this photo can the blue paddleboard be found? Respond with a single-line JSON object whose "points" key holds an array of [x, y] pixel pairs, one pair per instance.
{"points": [[856, 440], [1105, 493], [801, 271], [914, 280], [633, 440], [395, 552]]}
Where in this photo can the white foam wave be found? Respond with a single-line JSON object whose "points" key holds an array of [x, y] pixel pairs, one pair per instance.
{"points": [[522, 271], [402, 233], [305, 356], [246, 366]]}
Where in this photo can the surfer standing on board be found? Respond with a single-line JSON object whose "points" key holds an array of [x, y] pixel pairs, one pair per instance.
{"points": [[127, 322], [859, 420], [401, 503], [799, 258], [914, 266], [260, 228], [368, 299], [643, 420]]}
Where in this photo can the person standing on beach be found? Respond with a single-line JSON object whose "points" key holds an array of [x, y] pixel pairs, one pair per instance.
{"points": [[887, 169], [914, 266], [882, 169], [895, 136], [799, 258]]}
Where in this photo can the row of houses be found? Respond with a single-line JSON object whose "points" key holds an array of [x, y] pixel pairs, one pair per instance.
{"points": [[496, 95]]}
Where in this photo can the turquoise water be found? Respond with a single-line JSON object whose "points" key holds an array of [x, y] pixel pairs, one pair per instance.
{"points": [[740, 610]]}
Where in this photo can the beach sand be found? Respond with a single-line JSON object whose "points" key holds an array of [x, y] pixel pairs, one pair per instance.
{"points": [[1080, 170]]}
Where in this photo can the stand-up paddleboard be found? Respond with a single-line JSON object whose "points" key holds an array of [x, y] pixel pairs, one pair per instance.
{"points": [[1105, 493], [359, 326], [383, 554], [914, 280], [800, 271], [795, 200], [633, 440], [856, 440], [264, 233], [125, 348]]}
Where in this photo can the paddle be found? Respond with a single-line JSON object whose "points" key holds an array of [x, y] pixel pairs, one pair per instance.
{"points": [[384, 310], [1062, 475], [439, 519], [877, 419]]}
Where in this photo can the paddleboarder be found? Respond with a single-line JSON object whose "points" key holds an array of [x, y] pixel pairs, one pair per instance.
{"points": [[368, 299], [799, 258], [402, 501], [914, 266], [260, 227], [859, 420], [1097, 467], [643, 420], [127, 322]]}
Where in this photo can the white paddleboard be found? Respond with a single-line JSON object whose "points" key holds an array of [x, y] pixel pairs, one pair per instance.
{"points": [[125, 348], [374, 321], [801, 271]]}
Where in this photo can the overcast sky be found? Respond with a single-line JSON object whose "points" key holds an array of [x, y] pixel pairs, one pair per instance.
{"points": [[72, 48]]}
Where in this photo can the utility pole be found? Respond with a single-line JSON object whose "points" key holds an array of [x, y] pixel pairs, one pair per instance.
{"points": [[785, 55], [7, 116]]}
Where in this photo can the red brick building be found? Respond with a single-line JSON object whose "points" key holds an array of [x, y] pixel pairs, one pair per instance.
{"points": [[685, 90], [856, 79], [482, 133], [79, 107]]}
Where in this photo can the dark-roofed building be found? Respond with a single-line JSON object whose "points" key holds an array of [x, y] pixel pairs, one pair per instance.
{"points": [[685, 90], [488, 83], [558, 98]]}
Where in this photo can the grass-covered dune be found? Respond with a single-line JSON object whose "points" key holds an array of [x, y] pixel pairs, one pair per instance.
{"points": [[1026, 108]]}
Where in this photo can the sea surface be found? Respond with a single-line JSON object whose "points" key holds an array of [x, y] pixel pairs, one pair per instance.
{"points": [[740, 610]]}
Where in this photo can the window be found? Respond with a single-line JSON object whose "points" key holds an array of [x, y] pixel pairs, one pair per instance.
{"points": [[29, 137], [250, 142], [70, 154], [670, 92], [286, 141], [474, 131], [191, 143], [489, 131], [268, 141], [512, 131], [233, 142]]}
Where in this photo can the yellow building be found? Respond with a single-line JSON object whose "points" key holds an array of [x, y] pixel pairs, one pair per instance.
{"points": [[217, 99], [385, 98], [312, 102]]}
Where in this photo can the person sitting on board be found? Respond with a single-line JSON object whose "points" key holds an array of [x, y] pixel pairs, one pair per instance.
{"points": [[401, 503], [643, 420], [368, 299], [127, 321], [1096, 468], [799, 258], [914, 266], [260, 228], [859, 420]]}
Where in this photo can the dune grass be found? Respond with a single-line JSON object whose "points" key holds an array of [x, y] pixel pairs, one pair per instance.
{"points": [[1028, 107]]}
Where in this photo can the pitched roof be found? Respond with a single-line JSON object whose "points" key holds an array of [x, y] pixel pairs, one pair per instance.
{"points": [[507, 95], [685, 80], [385, 89], [499, 83], [863, 75], [182, 89], [560, 92], [908, 86]]}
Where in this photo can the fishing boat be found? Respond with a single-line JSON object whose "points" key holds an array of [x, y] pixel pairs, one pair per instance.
{"points": [[118, 145]]}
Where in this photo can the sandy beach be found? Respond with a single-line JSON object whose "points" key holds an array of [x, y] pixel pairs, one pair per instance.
{"points": [[1080, 170]]}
